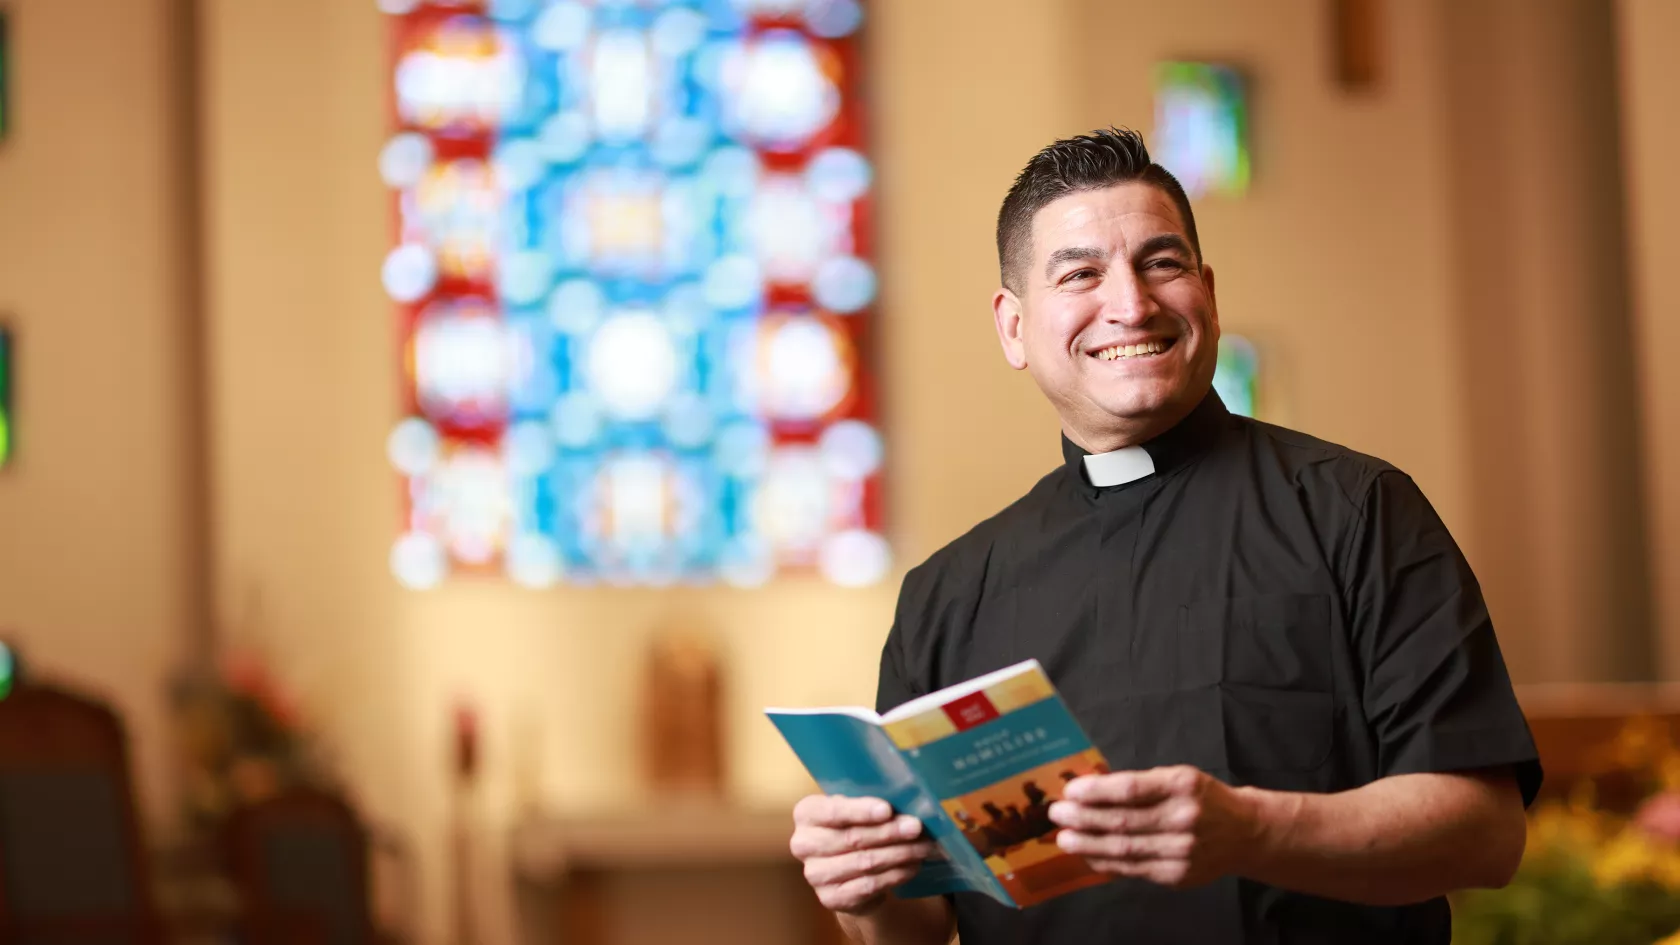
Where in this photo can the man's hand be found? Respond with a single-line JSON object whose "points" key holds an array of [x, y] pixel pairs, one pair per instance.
{"points": [[854, 850], [1176, 826]]}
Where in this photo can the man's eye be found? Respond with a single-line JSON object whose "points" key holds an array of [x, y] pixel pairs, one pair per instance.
{"points": [[1080, 275], [1165, 264]]}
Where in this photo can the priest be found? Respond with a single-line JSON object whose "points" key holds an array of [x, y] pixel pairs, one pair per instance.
{"points": [[1274, 640]]}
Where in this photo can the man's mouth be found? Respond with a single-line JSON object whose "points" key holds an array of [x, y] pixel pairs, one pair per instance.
{"points": [[1147, 349]]}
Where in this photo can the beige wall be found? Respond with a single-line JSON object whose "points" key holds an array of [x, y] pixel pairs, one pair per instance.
{"points": [[96, 563], [1530, 108], [1649, 34]]}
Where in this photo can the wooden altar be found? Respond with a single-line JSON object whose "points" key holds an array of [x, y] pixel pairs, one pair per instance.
{"points": [[1575, 726], [694, 874]]}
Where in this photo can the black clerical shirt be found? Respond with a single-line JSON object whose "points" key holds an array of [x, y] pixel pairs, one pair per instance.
{"points": [[1273, 609]]}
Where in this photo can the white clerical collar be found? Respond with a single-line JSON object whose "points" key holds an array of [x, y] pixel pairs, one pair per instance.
{"points": [[1127, 464]]}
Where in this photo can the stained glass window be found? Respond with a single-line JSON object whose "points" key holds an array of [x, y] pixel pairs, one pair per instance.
{"points": [[1237, 375], [634, 276], [1201, 127]]}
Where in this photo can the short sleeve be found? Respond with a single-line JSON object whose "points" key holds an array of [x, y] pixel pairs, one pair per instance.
{"points": [[895, 687], [1436, 692]]}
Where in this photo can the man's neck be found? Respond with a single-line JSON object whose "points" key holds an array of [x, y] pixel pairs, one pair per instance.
{"points": [[1124, 432]]}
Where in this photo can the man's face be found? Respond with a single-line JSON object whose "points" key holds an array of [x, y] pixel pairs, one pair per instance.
{"points": [[1112, 271]]}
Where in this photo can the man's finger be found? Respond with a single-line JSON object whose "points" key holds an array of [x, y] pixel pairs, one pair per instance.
{"points": [[1174, 874], [1132, 848], [1134, 788], [833, 810], [809, 841], [855, 893], [834, 870], [1171, 815]]}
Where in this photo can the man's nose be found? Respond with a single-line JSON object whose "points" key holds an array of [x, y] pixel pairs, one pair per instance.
{"points": [[1127, 300]]}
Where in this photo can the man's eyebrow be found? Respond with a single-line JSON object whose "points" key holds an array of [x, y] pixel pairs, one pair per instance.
{"points": [[1069, 254], [1163, 243]]}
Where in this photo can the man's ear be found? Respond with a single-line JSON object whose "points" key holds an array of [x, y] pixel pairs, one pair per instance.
{"points": [[1213, 301], [1006, 315]]}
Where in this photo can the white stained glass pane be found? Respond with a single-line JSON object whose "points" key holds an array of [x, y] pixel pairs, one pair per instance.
{"points": [[466, 74], [679, 141], [474, 504], [532, 560], [576, 306], [462, 361], [742, 450], [460, 204], [678, 31], [413, 447], [528, 448], [419, 561], [621, 85], [409, 273], [792, 232], [733, 282], [404, 159], [632, 365], [565, 138], [525, 277], [851, 450], [844, 284], [777, 93], [520, 164], [689, 421], [561, 27], [732, 171], [513, 11], [576, 420], [792, 504], [775, 8], [794, 369], [855, 558], [832, 19], [839, 175], [638, 497]]}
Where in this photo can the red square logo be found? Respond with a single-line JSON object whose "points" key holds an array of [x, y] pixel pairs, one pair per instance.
{"points": [[971, 710]]}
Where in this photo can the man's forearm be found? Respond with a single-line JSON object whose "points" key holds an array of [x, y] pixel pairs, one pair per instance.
{"points": [[1399, 840], [903, 922]]}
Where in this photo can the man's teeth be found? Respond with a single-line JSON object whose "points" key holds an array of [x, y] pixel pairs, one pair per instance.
{"points": [[1132, 351]]}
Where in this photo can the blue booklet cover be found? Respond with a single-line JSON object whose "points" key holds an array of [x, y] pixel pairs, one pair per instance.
{"points": [[979, 763]]}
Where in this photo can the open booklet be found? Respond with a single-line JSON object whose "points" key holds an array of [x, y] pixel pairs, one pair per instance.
{"points": [[979, 763]]}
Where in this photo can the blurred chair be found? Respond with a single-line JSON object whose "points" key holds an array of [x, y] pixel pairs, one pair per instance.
{"points": [[301, 864], [73, 869]]}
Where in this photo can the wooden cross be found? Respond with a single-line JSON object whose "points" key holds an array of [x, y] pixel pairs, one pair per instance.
{"points": [[1358, 32]]}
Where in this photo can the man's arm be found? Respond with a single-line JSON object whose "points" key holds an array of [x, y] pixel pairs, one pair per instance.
{"points": [[1401, 839], [1398, 840], [856, 852], [902, 922]]}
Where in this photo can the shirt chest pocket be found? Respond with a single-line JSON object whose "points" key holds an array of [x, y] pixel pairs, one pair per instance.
{"points": [[1268, 660]]}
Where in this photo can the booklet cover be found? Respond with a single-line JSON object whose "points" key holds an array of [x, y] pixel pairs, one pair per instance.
{"points": [[979, 763]]}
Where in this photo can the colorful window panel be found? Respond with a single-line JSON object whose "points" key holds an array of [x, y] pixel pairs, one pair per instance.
{"points": [[1237, 375], [636, 289]]}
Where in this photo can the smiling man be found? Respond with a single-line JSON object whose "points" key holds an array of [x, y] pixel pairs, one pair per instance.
{"points": [[1273, 639]]}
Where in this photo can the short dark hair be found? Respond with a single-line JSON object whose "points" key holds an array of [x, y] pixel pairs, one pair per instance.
{"points": [[1085, 162]]}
